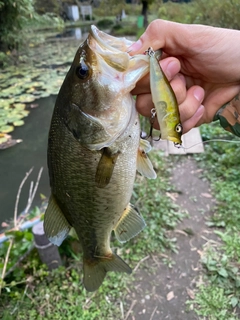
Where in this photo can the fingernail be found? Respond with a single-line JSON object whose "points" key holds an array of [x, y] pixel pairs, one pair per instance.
{"points": [[172, 69], [199, 94], [199, 111], [136, 46]]}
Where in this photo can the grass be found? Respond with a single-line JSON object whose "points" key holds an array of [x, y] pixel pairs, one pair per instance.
{"points": [[59, 294], [218, 294]]}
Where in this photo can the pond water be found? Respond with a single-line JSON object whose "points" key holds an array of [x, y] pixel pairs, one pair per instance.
{"points": [[17, 160]]}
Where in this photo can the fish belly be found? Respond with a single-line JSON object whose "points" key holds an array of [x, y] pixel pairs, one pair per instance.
{"points": [[91, 210]]}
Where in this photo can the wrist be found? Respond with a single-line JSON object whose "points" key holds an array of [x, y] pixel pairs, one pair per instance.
{"points": [[229, 115]]}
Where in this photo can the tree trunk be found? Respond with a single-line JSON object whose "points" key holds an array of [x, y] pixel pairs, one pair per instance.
{"points": [[144, 12]]}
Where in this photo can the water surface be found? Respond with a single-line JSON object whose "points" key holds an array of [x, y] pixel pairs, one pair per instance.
{"points": [[17, 160]]}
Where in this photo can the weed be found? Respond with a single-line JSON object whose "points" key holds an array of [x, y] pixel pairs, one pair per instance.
{"points": [[60, 294], [218, 296]]}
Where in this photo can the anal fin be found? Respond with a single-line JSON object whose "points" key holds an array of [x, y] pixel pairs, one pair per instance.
{"points": [[56, 225], [105, 168], [130, 224]]}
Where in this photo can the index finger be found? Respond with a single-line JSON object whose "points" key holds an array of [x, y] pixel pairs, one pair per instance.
{"points": [[161, 34]]}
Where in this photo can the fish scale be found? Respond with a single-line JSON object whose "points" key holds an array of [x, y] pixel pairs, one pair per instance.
{"points": [[93, 155]]}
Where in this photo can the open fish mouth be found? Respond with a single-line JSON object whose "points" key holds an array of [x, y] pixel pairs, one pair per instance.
{"points": [[113, 50], [110, 42]]}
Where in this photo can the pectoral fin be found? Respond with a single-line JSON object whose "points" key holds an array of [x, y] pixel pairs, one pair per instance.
{"points": [[130, 224], [105, 168], [56, 225], [144, 165]]}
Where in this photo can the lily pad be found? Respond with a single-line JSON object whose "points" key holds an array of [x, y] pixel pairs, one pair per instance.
{"points": [[18, 123], [7, 128], [3, 139], [3, 122], [25, 98], [19, 106]]}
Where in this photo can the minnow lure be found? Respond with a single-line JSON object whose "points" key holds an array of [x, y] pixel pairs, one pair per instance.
{"points": [[164, 100]]}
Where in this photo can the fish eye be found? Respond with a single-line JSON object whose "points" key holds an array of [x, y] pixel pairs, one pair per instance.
{"points": [[178, 128], [82, 70]]}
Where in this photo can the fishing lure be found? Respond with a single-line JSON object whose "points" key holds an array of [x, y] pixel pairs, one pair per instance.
{"points": [[164, 100]]}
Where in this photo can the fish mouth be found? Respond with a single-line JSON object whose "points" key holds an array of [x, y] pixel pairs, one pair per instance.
{"points": [[113, 50], [110, 42]]}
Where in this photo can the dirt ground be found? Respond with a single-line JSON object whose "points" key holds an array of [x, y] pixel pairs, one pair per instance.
{"points": [[161, 292]]}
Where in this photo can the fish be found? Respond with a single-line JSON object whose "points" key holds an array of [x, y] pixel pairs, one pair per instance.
{"points": [[164, 101], [94, 150]]}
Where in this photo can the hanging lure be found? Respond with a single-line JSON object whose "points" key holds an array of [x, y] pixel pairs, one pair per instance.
{"points": [[164, 100]]}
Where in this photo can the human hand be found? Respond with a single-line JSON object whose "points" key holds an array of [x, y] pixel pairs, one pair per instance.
{"points": [[202, 64]]}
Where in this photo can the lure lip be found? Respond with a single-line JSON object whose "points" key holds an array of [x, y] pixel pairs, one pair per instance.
{"points": [[175, 140]]}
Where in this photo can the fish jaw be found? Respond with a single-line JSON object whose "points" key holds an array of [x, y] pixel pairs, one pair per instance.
{"points": [[98, 108]]}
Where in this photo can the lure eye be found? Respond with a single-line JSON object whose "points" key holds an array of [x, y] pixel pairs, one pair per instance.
{"points": [[178, 128], [82, 71]]}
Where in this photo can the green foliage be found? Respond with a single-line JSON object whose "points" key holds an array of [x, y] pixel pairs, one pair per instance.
{"points": [[110, 8], [123, 31], [32, 79], [215, 305], [18, 19], [104, 23], [14, 16], [221, 164], [216, 12], [220, 294], [159, 211], [59, 294]]}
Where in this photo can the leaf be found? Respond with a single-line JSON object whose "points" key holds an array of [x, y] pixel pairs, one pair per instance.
{"points": [[190, 293], [19, 106], [6, 129], [3, 139], [234, 301], [170, 295], [18, 123], [223, 272], [3, 121], [206, 195]]}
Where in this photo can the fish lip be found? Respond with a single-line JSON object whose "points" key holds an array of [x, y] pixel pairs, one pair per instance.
{"points": [[110, 42]]}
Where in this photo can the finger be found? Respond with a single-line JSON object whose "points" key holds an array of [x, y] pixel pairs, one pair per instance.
{"points": [[159, 34], [144, 104], [189, 106], [191, 109], [194, 120], [170, 66], [178, 85]]}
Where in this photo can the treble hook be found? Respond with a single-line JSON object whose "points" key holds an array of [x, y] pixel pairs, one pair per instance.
{"points": [[152, 119]]}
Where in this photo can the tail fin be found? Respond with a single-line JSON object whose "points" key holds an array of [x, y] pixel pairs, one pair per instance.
{"points": [[95, 272]]}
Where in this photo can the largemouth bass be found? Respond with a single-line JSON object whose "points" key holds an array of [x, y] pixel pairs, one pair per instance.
{"points": [[94, 149], [164, 100]]}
